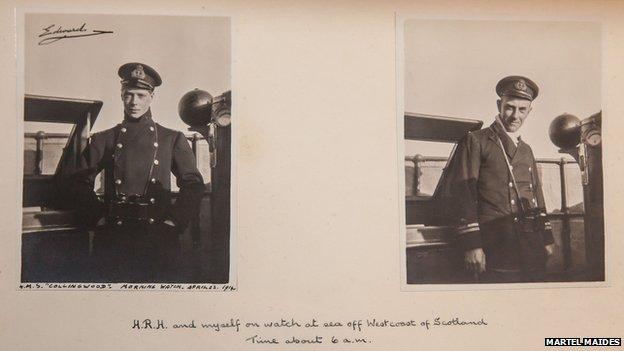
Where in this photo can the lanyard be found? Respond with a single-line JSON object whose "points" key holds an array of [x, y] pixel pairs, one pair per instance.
{"points": [[513, 179]]}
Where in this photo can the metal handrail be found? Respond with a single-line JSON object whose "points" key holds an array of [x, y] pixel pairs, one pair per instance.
{"points": [[43, 135], [444, 158], [40, 136], [565, 215]]}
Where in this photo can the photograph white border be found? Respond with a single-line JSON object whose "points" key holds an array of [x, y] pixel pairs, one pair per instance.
{"points": [[232, 285], [400, 19]]}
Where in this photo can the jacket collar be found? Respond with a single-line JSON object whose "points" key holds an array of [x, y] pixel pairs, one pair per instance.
{"points": [[146, 118], [497, 132]]}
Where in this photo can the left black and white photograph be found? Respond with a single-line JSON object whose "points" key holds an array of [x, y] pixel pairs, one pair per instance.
{"points": [[127, 151]]}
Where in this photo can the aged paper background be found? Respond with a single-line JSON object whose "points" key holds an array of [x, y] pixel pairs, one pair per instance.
{"points": [[317, 192]]}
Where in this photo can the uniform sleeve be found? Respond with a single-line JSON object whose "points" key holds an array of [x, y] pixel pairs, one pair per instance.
{"points": [[547, 234], [464, 173], [81, 184], [189, 180]]}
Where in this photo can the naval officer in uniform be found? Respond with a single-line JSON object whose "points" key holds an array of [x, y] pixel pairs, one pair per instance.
{"points": [[503, 228], [136, 239]]}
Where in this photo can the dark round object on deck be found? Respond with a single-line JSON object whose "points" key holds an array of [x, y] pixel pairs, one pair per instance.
{"points": [[565, 131], [195, 108]]}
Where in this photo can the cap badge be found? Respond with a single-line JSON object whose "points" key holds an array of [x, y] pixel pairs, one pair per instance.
{"points": [[520, 85], [138, 72]]}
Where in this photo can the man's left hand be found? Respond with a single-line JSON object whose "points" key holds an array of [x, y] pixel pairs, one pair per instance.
{"points": [[550, 249]]}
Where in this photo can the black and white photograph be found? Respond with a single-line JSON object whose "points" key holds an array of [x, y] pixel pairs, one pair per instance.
{"points": [[127, 150], [305, 175], [501, 154]]}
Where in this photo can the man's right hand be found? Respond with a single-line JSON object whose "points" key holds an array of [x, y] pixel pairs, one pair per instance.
{"points": [[474, 260]]}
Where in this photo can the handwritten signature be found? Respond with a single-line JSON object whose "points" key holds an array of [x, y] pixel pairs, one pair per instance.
{"points": [[54, 33]]}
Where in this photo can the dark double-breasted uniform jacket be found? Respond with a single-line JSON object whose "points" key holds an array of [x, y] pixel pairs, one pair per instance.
{"points": [[507, 220], [138, 157]]}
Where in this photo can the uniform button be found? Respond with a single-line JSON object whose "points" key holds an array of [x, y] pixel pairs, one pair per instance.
{"points": [[152, 200], [123, 198], [529, 169], [153, 180], [510, 184], [119, 145], [118, 181], [530, 186], [155, 144], [513, 201], [119, 222], [151, 129], [155, 162], [515, 219], [123, 130], [150, 221]]}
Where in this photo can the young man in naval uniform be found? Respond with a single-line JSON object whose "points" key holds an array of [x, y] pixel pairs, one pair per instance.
{"points": [[503, 229], [136, 239]]}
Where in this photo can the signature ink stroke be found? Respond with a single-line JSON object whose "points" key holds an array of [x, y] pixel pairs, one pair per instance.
{"points": [[54, 33]]}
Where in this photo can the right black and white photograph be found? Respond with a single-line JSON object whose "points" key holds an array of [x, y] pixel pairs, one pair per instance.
{"points": [[501, 157]]}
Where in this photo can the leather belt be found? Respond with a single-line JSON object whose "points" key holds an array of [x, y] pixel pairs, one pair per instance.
{"points": [[134, 210]]}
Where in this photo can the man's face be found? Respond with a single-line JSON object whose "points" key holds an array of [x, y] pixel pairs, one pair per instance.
{"points": [[136, 101], [513, 111]]}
